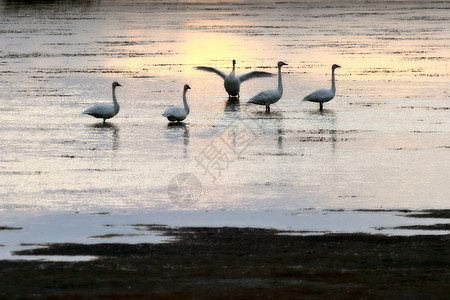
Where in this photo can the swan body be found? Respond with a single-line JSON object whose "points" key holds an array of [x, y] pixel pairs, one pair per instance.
{"points": [[232, 83], [105, 111], [270, 96], [178, 114], [323, 95]]}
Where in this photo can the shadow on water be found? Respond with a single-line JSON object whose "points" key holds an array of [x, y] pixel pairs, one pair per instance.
{"points": [[104, 128], [176, 132]]}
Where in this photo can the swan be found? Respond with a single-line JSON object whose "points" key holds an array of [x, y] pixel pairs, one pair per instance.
{"points": [[232, 83], [105, 111], [177, 113], [270, 96], [323, 95]]}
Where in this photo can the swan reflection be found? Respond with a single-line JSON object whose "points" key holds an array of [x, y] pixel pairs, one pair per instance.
{"points": [[232, 105], [269, 123], [106, 129], [325, 120], [176, 132]]}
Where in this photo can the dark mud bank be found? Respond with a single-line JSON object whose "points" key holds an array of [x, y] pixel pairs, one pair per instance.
{"points": [[205, 263]]}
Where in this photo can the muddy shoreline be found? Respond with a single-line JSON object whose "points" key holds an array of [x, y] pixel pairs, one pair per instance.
{"points": [[238, 263]]}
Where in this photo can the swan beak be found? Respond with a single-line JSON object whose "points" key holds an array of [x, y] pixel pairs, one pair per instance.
{"points": [[119, 84], [337, 66]]}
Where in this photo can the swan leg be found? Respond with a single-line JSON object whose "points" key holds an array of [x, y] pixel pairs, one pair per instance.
{"points": [[104, 121], [321, 106], [267, 109]]}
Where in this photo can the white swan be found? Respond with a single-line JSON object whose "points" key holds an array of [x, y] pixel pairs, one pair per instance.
{"points": [[324, 95], [105, 111], [232, 83], [177, 113], [270, 96]]}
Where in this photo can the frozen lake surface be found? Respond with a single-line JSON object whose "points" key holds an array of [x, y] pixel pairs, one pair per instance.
{"points": [[382, 143]]}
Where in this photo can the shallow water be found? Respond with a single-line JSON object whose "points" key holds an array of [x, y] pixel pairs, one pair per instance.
{"points": [[383, 142]]}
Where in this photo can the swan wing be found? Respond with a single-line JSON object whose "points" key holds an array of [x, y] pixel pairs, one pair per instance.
{"points": [[175, 113], [254, 74], [320, 96], [101, 111], [213, 70], [265, 97]]}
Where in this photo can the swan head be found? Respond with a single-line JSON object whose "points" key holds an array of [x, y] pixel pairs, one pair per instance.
{"points": [[187, 87], [115, 83], [335, 66], [234, 62], [280, 64]]}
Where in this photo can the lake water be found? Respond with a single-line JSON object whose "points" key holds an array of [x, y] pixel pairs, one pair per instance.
{"points": [[382, 143]]}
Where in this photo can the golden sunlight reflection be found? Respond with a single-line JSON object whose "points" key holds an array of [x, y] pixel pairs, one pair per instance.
{"points": [[214, 39], [205, 45], [213, 48], [204, 42]]}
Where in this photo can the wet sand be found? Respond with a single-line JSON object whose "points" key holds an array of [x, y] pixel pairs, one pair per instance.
{"points": [[239, 263]]}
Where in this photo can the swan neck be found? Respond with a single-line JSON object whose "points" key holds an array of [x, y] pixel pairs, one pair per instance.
{"points": [[116, 104], [232, 71], [186, 106], [280, 83], [333, 86]]}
